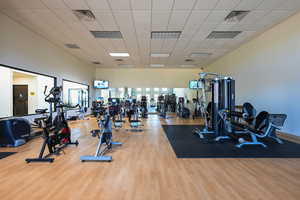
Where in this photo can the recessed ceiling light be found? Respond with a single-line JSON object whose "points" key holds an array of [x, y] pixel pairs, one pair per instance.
{"points": [[157, 65], [125, 65], [187, 65], [200, 55], [165, 34], [119, 54], [160, 55]]}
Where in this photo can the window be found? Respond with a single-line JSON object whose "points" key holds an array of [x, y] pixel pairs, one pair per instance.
{"points": [[164, 89], [139, 97], [147, 89], [24, 91], [138, 89], [75, 94], [156, 89]]}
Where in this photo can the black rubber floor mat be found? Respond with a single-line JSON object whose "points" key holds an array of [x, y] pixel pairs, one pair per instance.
{"points": [[186, 144]]}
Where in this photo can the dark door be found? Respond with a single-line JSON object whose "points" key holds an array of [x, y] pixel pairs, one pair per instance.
{"points": [[20, 100]]}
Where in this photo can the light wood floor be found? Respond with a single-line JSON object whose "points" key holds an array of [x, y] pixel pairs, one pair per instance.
{"points": [[145, 167]]}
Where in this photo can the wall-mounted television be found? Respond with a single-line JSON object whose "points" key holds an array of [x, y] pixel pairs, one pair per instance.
{"points": [[193, 84], [101, 84]]}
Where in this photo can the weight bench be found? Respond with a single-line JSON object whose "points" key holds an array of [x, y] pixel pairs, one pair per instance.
{"points": [[265, 127]]}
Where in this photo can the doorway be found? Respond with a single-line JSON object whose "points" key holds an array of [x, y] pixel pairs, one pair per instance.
{"points": [[20, 100]]}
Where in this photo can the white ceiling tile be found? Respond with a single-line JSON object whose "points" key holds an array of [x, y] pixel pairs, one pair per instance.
{"points": [[55, 4], [169, 45], [227, 4], [156, 45], [66, 15], [206, 4], [275, 16], [19, 4], [160, 18], [178, 18], [141, 4], [110, 28], [290, 4], [13, 13], [183, 4], [162, 5], [77, 4], [120, 4], [196, 18], [224, 27], [254, 16], [93, 26], [159, 28], [98, 4], [105, 18], [217, 16], [248, 5], [270, 4], [119, 44]]}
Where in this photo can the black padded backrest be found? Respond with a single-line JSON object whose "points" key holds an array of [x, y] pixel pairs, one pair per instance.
{"points": [[277, 119], [261, 120], [249, 109]]}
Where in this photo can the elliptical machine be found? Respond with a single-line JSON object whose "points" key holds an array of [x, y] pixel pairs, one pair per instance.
{"points": [[143, 107], [56, 133], [104, 134], [182, 111]]}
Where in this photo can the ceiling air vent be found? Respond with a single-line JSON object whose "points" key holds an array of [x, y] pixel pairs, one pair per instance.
{"points": [[223, 34], [96, 63], [107, 34], [72, 46], [119, 60], [84, 15], [236, 15], [189, 60], [165, 34]]}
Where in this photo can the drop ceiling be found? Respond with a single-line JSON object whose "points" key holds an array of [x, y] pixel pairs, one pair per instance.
{"points": [[136, 19]]}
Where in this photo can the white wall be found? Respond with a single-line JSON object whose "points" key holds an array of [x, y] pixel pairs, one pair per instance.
{"points": [[6, 99], [148, 78], [24, 49], [267, 71]]}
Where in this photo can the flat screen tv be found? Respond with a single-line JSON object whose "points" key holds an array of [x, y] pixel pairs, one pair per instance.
{"points": [[101, 84], [193, 84]]}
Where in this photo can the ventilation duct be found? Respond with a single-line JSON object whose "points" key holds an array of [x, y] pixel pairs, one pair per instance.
{"points": [[84, 15], [236, 15], [223, 34], [72, 46], [107, 34]]}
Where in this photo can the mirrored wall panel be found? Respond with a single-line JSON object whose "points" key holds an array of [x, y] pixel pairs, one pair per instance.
{"points": [[22, 92]]}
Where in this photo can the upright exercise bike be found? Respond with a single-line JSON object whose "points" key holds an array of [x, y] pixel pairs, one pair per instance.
{"points": [[56, 133]]}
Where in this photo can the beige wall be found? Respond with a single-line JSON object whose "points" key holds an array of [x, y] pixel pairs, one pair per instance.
{"points": [[163, 78], [24, 49], [267, 71]]}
